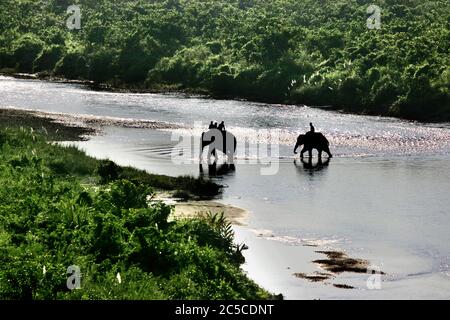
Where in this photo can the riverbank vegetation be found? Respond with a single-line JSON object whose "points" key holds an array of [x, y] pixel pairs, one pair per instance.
{"points": [[285, 51], [61, 208]]}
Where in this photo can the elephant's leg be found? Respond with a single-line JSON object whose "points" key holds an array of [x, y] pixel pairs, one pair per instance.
{"points": [[320, 154], [302, 152], [210, 153], [202, 149], [310, 153]]}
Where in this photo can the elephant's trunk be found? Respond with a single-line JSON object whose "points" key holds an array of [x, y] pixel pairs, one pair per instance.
{"points": [[296, 147]]}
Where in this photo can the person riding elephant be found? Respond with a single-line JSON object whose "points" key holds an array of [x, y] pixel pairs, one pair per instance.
{"points": [[218, 140], [313, 140], [221, 126]]}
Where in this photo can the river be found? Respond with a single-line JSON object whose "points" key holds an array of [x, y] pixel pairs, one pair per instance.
{"points": [[384, 196]]}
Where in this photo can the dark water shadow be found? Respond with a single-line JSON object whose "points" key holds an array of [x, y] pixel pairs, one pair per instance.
{"points": [[217, 170]]}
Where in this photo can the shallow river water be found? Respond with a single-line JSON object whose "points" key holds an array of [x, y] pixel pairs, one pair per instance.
{"points": [[385, 196]]}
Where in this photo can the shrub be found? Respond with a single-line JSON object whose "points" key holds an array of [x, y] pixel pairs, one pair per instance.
{"points": [[54, 215], [25, 50], [73, 66], [48, 58], [108, 171], [101, 66]]}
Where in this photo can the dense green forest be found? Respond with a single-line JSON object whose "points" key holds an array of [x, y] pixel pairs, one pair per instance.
{"points": [[61, 208], [315, 52]]}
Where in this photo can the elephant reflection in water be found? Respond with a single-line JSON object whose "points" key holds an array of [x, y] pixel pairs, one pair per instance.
{"points": [[217, 170]]}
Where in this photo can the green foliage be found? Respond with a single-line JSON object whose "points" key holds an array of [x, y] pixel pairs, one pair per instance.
{"points": [[286, 51], [73, 65], [108, 171], [126, 248], [196, 186], [25, 50], [48, 58], [102, 66]]}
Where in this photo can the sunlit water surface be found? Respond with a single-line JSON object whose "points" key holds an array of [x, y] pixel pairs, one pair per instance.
{"points": [[384, 197]]}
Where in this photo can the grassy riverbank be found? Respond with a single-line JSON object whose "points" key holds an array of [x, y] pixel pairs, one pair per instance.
{"points": [[59, 207], [284, 51]]}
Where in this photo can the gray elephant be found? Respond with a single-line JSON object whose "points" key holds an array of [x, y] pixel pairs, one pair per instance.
{"points": [[313, 140], [218, 140]]}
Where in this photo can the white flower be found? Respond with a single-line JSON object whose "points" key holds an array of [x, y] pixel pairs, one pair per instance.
{"points": [[119, 278], [44, 271]]}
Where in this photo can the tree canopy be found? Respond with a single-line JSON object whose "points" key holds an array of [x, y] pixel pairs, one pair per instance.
{"points": [[315, 52]]}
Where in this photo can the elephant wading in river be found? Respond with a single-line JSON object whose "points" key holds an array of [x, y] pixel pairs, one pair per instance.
{"points": [[312, 141], [223, 141]]}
